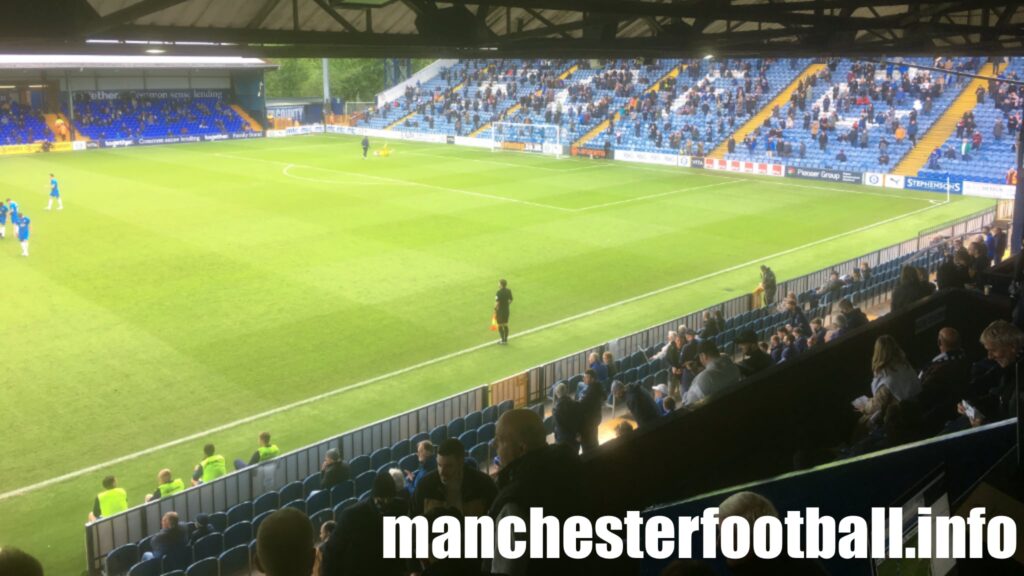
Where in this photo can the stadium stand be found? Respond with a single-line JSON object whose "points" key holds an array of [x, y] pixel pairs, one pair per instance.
{"points": [[20, 124], [133, 116]]}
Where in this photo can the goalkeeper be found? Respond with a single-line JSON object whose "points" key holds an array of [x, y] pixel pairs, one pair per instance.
{"points": [[384, 151]]}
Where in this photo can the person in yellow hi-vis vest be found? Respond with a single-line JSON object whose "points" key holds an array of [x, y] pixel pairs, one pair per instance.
{"points": [[166, 486], [266, 451], [109, 502], [211, 467]]}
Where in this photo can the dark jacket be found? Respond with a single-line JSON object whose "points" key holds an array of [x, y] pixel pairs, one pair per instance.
{"points": [[944, 383], [950, 275], [855, 319], [172, 545], [590, 407], [568, 415], [689, 352], [478, 492], [798, 318], [356, 547], [641, 404], [549, 478], [756, 361], [334, 474], [906, 294]]}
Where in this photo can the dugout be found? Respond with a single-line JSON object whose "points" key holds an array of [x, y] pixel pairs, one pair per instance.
{"points": [[50, 83]]}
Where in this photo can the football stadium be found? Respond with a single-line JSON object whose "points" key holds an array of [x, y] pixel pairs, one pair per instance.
{"points": [[279, 276]]}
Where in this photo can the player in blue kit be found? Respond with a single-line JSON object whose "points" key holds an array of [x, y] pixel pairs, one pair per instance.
{"points": [[13, 207], [3, 220], [54, 194], [23, 230]]}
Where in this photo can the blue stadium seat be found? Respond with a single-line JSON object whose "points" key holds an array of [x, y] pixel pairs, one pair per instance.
{"points": [[299, 505], [343, 505], [364, 481], [206, 567], [151, 567], [473, 420], [643, 371], [629, 376], [240, 512], [415, 440], [468, 438], [342, 491], [317, 502], [455, 427], [235, 560], [574, 385], [145, 545], [311, 483], [121, 559], [380, 457], [178, 560], [410, 463], [319, 518], [485, 433], [365, 496], [472, 463], [481, 453], [291, 491], [258, 521], [661, 377], [539, 409], [358, 465], [490, 414], [243, 531], [175, 573], [400, 449], [268, 501], [219, 521], [439, 434], [505, 407], [209, 546], [386, 467]]}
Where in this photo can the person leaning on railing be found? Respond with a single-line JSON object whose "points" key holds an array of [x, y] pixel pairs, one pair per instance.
{"points": [[110, 501]]}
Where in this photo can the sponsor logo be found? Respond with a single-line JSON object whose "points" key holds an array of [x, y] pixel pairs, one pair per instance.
{"points": [[929, 185], [108, 95], [696, 162], [449, 139], [820, 174], [215, 137], [894, 181], [1001, 191], [874, 179]]}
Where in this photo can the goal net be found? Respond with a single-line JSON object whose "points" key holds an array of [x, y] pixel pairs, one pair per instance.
{"points": [[536, 138]]}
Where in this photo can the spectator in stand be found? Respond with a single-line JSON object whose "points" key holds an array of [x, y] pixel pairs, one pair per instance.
{"points": [[754, 359], [855, 318], [534, 475], [623, 428], [595, 364], [800, 340], [203, 529], [455, 483], [609, 365], [638, 400], [865, 271], [908, 290], [170, 543], [944, 382], [285, 544], [428, 463], [568, 415], [989, 241], [326, 529], [669, 406], [894, 381], [674, 358], [18, 563], [950, 274], [818, 333], [795, 315], [719, 376], [832, 288], [265, 451], [775, 349], [591, 404], [927, 288], [333, 471], [670, 340], [710, 329], [660, 394], [994, 394], [355, 547], [979, 265], [839, 328], [789, 349], [751, 507], [432, 566], [998, 245], [841, 156]]}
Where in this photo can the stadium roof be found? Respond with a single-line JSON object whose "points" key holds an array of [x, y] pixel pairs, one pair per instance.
{"points": [[100, 61], [489, 28]]}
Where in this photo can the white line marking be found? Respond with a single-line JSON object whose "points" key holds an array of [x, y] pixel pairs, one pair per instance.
{"points": [[404, 182], [206, 433], [660, 194], [286, 172]]}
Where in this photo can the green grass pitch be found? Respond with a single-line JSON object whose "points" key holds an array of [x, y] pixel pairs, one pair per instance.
{"points": [[186, 287]]}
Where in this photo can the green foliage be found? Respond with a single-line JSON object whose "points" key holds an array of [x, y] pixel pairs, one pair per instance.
{"points": [[353, 79]]}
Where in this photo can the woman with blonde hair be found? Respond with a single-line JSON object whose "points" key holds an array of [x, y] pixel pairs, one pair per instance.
{"points": [[894, 379]]}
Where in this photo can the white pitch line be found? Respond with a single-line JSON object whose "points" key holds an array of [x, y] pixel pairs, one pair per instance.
{"points": [[405, 183], [660, 194], [206, 433], [286, 172]]}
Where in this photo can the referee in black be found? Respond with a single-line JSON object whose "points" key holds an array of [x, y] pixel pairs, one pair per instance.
{"points": [[502, 301]]}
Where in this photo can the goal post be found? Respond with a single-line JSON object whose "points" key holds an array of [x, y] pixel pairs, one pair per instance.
{"points": [[535, 138]]}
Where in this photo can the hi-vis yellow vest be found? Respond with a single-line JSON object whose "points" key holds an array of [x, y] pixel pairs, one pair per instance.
{"points": [[268, 452], [213, 467], [171, 488], [112, 501]]}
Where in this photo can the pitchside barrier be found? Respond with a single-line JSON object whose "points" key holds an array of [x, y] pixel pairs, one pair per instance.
{"points": [[526, 388]]}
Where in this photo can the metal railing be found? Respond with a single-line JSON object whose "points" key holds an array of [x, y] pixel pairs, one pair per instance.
{"points": [[524, 388]]}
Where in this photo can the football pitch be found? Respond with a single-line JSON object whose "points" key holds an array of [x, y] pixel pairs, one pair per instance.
{"points": [[189, 288]]}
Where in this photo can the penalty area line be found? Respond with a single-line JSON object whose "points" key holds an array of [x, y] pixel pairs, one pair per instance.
{"points": [[305, 402]]}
